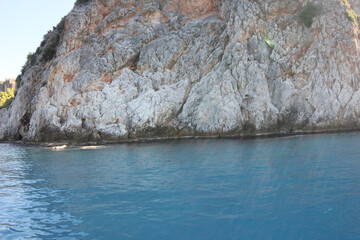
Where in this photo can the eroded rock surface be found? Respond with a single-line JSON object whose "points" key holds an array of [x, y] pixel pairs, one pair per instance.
{"points": [[166, 68]]}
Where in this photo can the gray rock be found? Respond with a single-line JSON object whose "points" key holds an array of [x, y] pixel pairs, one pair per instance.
{"points": [[144, 69]]}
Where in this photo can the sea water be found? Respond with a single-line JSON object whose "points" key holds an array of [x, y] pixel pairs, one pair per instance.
{"points": [[303, 187]]}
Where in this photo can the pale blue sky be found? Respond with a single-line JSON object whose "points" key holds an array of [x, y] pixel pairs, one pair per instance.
{"points": [[23, 23]]}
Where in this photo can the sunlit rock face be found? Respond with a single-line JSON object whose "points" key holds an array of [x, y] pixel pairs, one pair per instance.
{"points": [[158, 68]]}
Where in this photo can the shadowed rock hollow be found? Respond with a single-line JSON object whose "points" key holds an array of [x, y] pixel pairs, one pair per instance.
{"points": [[157, 68]]}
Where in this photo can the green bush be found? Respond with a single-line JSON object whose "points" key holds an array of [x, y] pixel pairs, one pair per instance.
{"points": [[18, 81], [46, 51], [52, 40], [50, 51], [38, 51], [30, 61], [61, 26], [351, 14], [80, 2], [346, 3], [6, 97], [309, 11]]}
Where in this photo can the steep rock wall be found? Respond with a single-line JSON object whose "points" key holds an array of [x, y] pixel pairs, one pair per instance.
{"points": [[166, 68]]}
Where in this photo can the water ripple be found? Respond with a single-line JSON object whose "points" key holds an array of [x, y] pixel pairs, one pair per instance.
{"points": [[283, 188]]}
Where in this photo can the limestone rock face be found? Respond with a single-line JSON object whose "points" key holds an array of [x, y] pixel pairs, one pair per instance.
{"points": [[169, 68]]}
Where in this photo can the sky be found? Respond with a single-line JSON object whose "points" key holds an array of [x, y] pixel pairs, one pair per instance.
{"points": [[23, 23]]}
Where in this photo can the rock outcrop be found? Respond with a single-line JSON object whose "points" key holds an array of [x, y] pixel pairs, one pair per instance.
{"points": [[115, 70]]}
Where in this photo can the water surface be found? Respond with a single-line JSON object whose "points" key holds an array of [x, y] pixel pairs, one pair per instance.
{"points": [[305, 187]]}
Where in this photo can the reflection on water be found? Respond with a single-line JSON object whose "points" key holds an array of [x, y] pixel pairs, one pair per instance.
{"points": [[289, 188], [28, 203]]}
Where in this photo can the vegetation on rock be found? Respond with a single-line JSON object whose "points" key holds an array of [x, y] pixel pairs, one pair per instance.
{"points": [[30, 61], [6, 97], [351, 14], [80, 2], [52, 39], [45, 52], [309, 11], [18, 81], [346, 3], [49, 52]]}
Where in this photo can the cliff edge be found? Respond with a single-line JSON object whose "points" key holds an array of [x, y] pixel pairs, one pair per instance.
{"points": [[115, 70]]}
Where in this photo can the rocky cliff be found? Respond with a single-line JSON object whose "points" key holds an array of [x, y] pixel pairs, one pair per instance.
{"points": [[115, 70]]}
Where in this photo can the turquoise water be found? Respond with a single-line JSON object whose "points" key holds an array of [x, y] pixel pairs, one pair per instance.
{"points": [[305, 187]]}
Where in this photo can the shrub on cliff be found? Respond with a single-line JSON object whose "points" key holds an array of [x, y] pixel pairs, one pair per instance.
{"points": [[50, 50], [80, 2], [6, 97], [52, 39], [30, 61], [309, 11], [61, 26], [18, 81], [48, 53], [351, 14], [346, 3]]}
